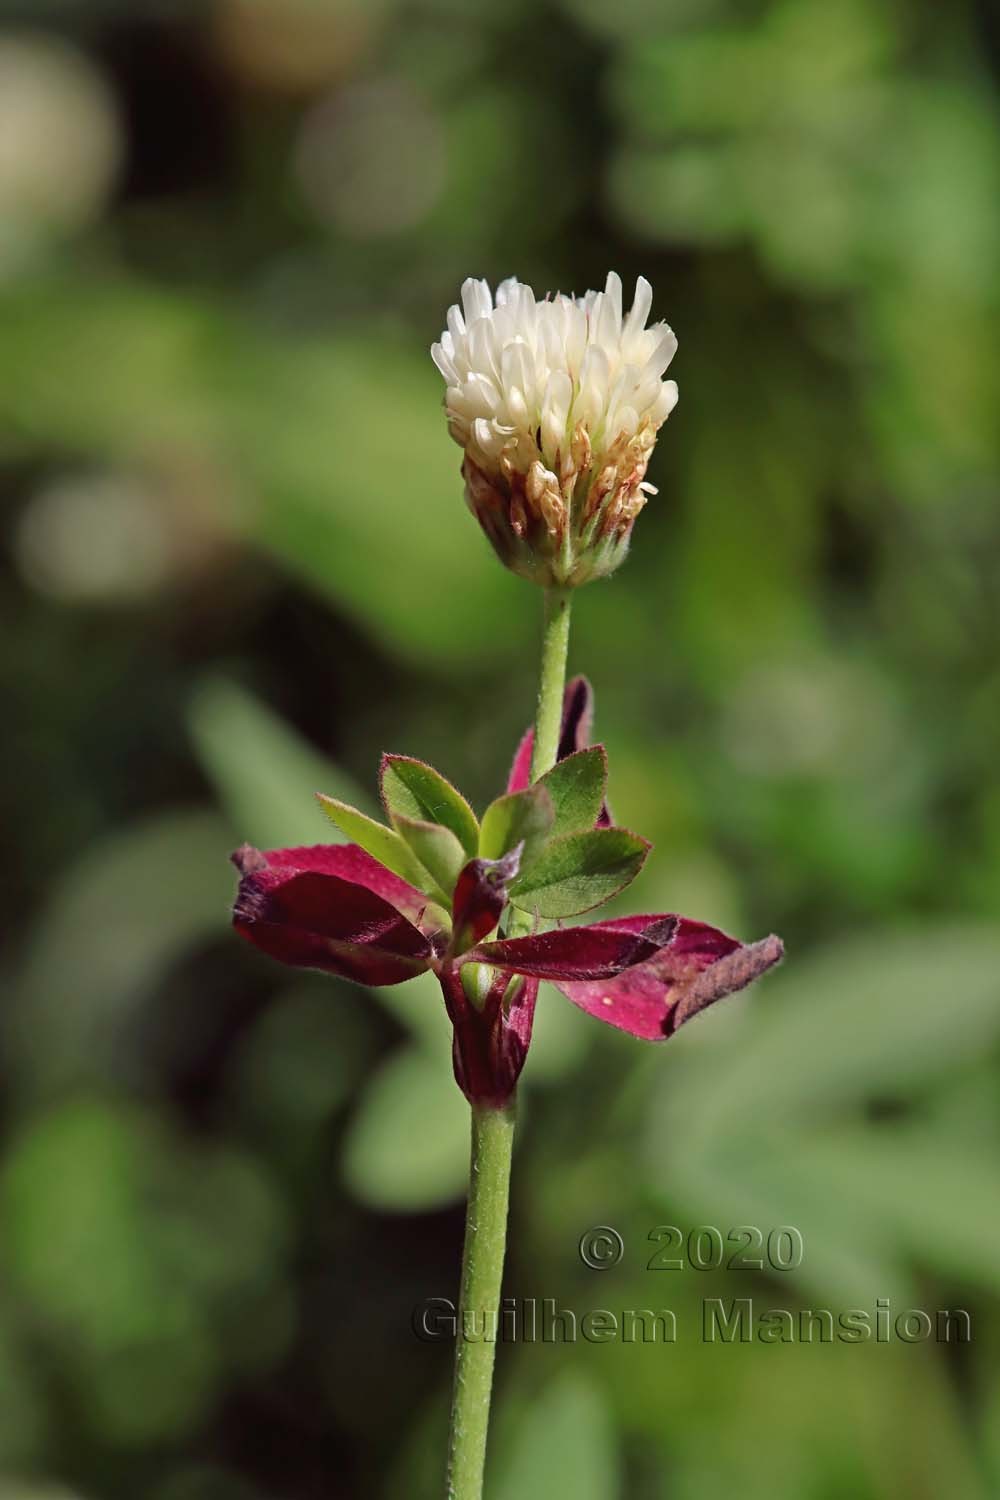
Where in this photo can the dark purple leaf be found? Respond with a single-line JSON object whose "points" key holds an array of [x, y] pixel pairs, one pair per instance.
{"points": [[697, 966], [490, 1040], [327, 907], [520, 771], [481, 895], [349, 861], [578, 953]]}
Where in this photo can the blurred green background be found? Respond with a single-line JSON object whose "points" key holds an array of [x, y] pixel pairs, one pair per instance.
{"points": [[237, 565]]}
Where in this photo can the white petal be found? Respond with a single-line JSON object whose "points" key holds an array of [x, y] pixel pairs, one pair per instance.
{"points": [[456, 323], [665, 403], [613, 294], [626, 421], [481, 391], [504, 290], [639, 311], [476, 299], [555, 413], [662, 353], [591, 399], [444, 363], [645, 394], [486, 436], [481, 347], [606, 324]]}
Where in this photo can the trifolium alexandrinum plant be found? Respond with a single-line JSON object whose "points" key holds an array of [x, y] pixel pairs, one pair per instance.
{"points": [[556, 405]]}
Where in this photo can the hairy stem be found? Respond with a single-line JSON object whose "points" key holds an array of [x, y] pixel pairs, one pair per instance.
{"points": [[548, 716], [555, 644], [478, 1319]]}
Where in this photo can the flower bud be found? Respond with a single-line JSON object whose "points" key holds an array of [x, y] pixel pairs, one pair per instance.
{"points": [[556, 405]]}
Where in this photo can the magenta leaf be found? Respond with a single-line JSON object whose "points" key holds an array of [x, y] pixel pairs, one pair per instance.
{"points": [[577, 716], [520, 771], [697, 966], [328, 907], [480, 897], [346, 860], [490, 1040], [577, 953]]}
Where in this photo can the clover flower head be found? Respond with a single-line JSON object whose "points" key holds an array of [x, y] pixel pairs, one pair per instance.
{"points": [[556, 404]]}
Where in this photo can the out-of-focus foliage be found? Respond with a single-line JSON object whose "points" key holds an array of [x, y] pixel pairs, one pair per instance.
{"points": [[237, 566]]}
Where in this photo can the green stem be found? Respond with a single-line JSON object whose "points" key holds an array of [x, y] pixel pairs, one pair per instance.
{"points": [[492, 1143], [479, 1304], [548, 716], [555, 644]]}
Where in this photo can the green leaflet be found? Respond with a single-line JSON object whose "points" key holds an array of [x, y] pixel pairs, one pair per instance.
{"points": [[524, 817], [412, 789], [577, 786], [437, 849], [580, 871], [383, 844]]}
